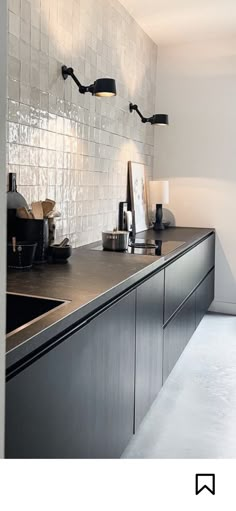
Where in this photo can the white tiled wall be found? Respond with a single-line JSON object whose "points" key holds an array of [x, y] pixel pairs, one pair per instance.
{"points": [[64, 145]]}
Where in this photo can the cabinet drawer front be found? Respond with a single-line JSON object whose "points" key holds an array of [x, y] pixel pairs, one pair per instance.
{"points": [[149, 344], [177, 334], [182, 276], [205, 296]]}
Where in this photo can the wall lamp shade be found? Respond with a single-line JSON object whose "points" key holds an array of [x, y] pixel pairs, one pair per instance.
{"points": [[103, 87], [158, 195], [158, 119]]}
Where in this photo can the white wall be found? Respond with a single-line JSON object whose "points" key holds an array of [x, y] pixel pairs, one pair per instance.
{"points": [[3, 52], [196, 86]]}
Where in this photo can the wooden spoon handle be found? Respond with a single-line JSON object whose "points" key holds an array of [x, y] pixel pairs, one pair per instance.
{"points": [[14, 244]]}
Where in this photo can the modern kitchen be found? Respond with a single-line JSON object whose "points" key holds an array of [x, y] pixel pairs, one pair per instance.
{"points": [[118, 279]]}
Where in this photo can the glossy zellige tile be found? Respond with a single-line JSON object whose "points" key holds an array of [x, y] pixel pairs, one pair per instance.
{"points": [[77, 146]]}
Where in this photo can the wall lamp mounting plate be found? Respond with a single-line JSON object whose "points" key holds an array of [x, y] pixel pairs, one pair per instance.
{"points": [[103, 87], [159, 119]]}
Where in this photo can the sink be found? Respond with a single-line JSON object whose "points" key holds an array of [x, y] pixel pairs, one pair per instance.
{"points": [[25, 309]]}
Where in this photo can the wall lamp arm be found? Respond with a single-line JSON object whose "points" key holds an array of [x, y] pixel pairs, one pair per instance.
{"points": [[69, 71], [158, 119], [102, 87], [135, 108]]}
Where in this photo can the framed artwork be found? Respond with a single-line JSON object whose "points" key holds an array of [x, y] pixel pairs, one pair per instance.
{"points": [[138, 196]]}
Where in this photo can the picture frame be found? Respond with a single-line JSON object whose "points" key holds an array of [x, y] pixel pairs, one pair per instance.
{"points": [[138, 196]]}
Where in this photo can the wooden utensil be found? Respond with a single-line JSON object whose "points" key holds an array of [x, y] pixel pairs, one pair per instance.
{"points": [[47, 208], [52, 202], [14, 244], [23, 213], [37, 210], [54, 214]]}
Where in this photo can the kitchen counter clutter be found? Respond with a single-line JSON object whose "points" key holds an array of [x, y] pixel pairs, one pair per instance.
{"points": [[76, 374]]}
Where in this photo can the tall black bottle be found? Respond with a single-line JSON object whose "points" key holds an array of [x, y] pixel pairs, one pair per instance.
{"points": [[14, 200]]}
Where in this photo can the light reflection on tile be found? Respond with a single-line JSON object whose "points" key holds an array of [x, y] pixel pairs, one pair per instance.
{"points": [[70, 146]]}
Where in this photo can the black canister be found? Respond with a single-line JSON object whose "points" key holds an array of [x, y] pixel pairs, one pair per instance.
{"points": [[35, 231], [14, 200]]}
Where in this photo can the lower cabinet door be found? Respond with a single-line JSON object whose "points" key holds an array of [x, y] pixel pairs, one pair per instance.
{"points": [[77, 401], [205, 296], [177, 334], [149, 344]]}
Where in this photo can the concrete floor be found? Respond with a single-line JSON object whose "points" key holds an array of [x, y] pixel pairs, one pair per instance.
{"points": [[194, 416]]}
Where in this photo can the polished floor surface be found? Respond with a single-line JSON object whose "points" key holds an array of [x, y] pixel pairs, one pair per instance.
{"points": [[194, 415]]}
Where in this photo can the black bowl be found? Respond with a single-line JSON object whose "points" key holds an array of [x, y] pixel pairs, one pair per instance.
{"points": [[59, 254]]}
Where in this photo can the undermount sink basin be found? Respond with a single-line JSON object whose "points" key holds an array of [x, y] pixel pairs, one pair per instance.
{"points": [[24, 309]]}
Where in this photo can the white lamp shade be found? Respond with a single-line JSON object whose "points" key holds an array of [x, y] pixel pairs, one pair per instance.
{"points": [[159, 192]]}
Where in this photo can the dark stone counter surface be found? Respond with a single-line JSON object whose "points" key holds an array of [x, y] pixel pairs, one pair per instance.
{"points": [[89, 281]]}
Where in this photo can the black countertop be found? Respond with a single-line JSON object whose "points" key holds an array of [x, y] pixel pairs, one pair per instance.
{"points": [[89, 281]]}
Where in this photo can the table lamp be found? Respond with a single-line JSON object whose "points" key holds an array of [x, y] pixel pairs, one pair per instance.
{"points": [[159, 195]]}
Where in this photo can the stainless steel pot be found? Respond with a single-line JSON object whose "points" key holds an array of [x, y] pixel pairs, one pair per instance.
{"points": [[115, 240]]}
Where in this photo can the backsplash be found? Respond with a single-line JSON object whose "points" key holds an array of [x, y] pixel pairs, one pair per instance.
{"points": [[70, 147]]}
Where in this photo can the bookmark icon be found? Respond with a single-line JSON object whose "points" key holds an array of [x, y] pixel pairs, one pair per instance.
{"points": [[205, 482]]}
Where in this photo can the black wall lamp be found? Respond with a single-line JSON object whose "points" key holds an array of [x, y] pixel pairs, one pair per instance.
{"points": [[161, 119], [103, 87]]}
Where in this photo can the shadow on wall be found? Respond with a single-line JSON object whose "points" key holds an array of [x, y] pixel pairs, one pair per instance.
{"points": [[223, 301], [197, 83], [199, 202], [198, 145], [168, 216], [225, 294]]}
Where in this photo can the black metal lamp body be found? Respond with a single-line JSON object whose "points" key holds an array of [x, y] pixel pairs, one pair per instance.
{"points": [[159, 195], [161, 119], [103, 87], [158, 225]]}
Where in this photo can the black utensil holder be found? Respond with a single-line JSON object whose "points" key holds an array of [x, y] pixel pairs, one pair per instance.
{"points": [[35, 231]]}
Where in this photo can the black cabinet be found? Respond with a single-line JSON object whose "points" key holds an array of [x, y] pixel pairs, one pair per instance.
{"points": [[177, 334], [205, 296], [184, 274], [77, 401], [86, 395], [149, 344]]}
